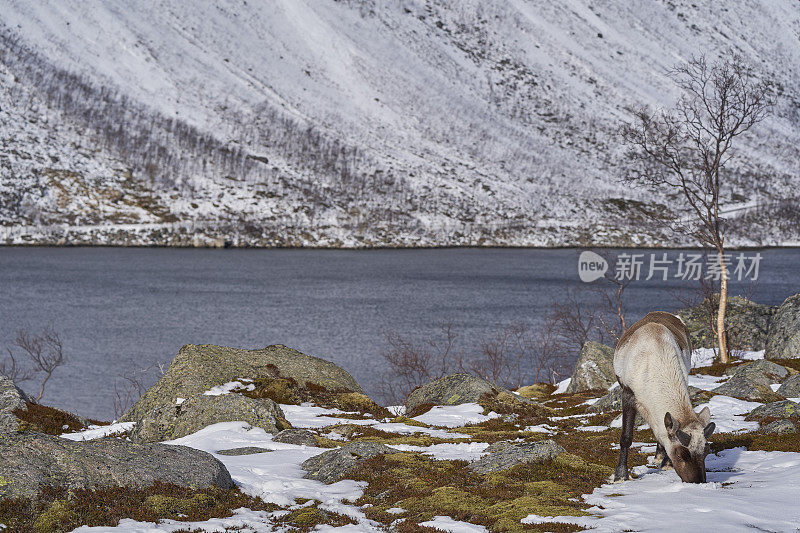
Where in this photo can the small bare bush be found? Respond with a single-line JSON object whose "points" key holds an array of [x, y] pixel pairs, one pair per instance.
{"points": [[44, 353], [509, 357], [129, 386]]}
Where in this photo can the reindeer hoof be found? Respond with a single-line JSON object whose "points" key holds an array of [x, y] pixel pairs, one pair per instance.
{"points": [[619, 477]]}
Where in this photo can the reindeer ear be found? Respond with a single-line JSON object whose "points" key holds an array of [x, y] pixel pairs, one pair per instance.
{"points": [[704, 416], [669, 423], [683, 437], [709, 429]]}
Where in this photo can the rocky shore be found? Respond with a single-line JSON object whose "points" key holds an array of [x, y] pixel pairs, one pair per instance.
{"points": [[276, 440]]}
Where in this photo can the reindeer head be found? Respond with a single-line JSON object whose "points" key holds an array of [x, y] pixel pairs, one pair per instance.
{"points": [[688, 445]]}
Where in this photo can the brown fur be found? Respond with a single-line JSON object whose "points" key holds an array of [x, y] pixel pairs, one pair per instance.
{"points": [[670, 321]]}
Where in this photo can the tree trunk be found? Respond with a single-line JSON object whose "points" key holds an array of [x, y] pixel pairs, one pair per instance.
{"points": [[722, 344]]}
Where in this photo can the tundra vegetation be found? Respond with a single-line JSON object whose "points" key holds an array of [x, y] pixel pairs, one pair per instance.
{"points": [[406, 484]]}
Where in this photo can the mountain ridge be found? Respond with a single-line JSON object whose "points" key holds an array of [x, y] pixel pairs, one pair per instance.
{"points": [[363, 124]]}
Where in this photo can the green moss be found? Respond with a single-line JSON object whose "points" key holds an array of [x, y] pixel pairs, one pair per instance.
{"points": [[308, 518], [537, 391], [54, 517]]}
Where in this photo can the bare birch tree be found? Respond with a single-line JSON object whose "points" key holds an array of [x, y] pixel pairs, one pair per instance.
{"points": [[689, 147]]}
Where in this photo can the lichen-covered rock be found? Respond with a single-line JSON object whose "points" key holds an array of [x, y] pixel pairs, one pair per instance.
{"points": [[594, 369], [300, 437], [198, 368], [31, 461], [791, 387], [783, 340], [779, 427], [454, 389], [175, 421], [11, 396], [334, 465], [780, 409], [747, 323], [752, 382], [516, 454]]}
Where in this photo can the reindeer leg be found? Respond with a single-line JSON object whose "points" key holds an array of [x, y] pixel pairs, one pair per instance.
{"points": [[662, 459], [625, 441]]}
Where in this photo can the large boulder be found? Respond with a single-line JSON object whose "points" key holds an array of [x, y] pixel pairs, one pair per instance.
{"points": [[334, 465], [594, 369], [752, 382], [779, 409], [199, 411], [454, 389], [31, 461], [783, 340], [779, 427], [198, 368], [509, 456], [747, 323], [791, 387]]}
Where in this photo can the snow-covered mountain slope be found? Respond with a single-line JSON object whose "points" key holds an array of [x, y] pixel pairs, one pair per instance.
{"points": [[363, 123]]}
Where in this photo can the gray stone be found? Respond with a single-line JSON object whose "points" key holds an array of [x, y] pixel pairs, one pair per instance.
{"points": [[783, 340], [594, 369], [30, 461], [516, 454], [773, 372], [12, 397], [334, 465], [454, 389], [747, 323], [779, 427], [780, 409], [752, 382], [195, 413], [246, 450], [198, 368], [610, 402], [790, 387], [300, 437]]}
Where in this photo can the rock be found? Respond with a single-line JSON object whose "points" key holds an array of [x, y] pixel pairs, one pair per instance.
{"points": [[610, 402], [12, 397], [780, 409], [745, 389], [515, 454], [454, 389], [773, 372], [246, 450], [594, 369], [198, 368], [747, 323], [790, 387], [779, 427], [752, 382], [783, 340], [30, 461], [300, 437], [195, 413], [334, 465]]}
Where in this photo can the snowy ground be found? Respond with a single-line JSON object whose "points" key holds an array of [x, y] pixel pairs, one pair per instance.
{"points": [[746, 490]]}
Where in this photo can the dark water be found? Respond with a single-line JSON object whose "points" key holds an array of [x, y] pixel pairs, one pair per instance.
{"points": [[119, 309]]}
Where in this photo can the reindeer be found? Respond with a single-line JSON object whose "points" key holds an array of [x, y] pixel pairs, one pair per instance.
{"points": [[652, 362]]}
